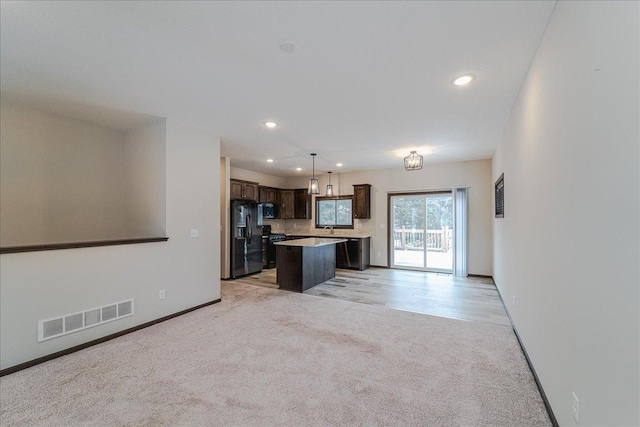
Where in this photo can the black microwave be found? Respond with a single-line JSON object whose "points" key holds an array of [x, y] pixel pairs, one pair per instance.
{"points": [[267, 210]]}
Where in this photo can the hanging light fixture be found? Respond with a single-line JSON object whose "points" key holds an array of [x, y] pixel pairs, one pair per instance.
{"points": [[329, 187], [313, 182], [413, 161]]}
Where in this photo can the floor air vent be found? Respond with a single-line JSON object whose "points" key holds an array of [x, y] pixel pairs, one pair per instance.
{"points": [[63, 325]]}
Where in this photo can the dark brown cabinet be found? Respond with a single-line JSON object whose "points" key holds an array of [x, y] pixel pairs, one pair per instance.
{"points": [[302, 208], [354, 254], [236, 190], [362, 201], [268, 195], [243, 190], [303, 267], [286, 204], [250, 191]]}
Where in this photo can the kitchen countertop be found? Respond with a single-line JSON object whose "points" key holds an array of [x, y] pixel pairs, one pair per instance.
{"points": [[311, 242], [337, 235]]}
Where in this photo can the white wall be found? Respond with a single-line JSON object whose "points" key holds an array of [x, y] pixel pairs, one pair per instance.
{"points": [[39, 285], [61, 179], [475, 174], [66, 180], [145, 178], [567, 248], [261, 178]]}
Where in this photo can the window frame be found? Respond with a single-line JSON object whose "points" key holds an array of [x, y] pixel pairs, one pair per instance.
{"points": [[318, 199]]}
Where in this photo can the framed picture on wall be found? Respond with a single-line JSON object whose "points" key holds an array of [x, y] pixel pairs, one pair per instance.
{"points": [[499, 197]]}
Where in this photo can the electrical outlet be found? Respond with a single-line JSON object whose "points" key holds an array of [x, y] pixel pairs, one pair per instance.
{"points": [[162, 294], [514, 300], [194, 232], [575, 408]]}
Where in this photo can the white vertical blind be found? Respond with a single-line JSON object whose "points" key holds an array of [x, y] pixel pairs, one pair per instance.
{"points": [[460, 261]]}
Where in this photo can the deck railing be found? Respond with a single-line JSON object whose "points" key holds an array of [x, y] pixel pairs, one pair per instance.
{"points": [[419, 240]]}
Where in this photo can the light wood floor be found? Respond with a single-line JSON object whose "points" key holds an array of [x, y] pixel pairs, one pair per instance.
{"points": [[473, 299]]}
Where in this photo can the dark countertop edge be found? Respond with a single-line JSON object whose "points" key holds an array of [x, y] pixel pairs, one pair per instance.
{"points": [[75, 245]]}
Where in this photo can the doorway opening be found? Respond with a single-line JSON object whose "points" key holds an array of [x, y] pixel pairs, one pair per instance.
{"points": [[422, 231]]}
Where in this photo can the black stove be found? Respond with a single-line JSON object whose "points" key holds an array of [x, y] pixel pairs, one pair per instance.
{"points": [[271, 248]]}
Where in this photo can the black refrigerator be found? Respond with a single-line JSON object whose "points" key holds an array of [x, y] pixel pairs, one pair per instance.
{"points": [[246, 239]]}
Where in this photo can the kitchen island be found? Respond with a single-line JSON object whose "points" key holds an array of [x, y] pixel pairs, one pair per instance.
{"points": [[305, 263], [354, 254]]}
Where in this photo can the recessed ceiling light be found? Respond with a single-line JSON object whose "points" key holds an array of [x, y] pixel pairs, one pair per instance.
{"points": [[298, 169], [463, 80], [270, 160], [339, 165], [270, 124], [288, 46]]}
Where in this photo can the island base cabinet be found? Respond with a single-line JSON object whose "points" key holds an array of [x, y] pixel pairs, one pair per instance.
{"points": [[301, 268]]}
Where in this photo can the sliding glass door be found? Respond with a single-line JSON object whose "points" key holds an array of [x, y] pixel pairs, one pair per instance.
{"points": [[422, 231]]}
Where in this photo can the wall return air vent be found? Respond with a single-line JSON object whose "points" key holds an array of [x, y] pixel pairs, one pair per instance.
{"points": [[63, 325]]}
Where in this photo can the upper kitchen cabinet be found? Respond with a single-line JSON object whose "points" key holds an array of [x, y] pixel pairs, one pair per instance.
{"points": [[268, 195], [286, 205], [244, 190], [362, 201], [303, 204]]}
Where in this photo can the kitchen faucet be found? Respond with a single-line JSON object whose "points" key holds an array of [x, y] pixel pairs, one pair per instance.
{"points": [[330, 227]]}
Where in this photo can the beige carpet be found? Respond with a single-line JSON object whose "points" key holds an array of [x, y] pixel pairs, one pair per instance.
{"points": [[270, 357]]}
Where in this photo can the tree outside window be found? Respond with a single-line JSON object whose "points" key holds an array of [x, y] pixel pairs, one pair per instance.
{"points": [[334, 212]]}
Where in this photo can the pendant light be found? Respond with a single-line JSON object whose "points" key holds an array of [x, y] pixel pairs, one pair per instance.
{"points": [[313, 182], [329, 187], [413, 161]]}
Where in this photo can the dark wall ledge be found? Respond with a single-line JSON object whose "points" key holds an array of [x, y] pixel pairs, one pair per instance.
{"points": [[75, 245]]}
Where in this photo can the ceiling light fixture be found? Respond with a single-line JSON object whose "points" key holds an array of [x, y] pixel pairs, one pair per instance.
{"points": [[270, 125], [298, 169], [413, 161], [329, 191], [339, 165], [313, 182], [270, 160], [463, 80]]}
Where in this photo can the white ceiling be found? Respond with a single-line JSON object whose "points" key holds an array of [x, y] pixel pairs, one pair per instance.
{"points": [[369, 80]]}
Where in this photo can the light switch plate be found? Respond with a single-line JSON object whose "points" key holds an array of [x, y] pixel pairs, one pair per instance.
{"points": [[194, 232]]}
